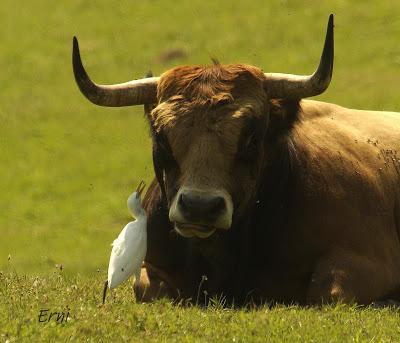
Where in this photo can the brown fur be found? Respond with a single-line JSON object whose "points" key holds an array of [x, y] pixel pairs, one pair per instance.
{"points": [[208, 85], [316, 206]]}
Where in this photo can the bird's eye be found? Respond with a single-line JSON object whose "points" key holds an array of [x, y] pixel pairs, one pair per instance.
{"points": [[122, 269]]}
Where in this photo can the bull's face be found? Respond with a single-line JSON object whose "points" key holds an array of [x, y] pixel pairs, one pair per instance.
{"points": [[208, 131], [208, 144]]}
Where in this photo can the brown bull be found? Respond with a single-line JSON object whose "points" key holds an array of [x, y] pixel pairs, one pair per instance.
{"points": [[269, 196]]}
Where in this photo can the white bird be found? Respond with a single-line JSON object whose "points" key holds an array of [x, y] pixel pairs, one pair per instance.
{"points": [[129, 249]]}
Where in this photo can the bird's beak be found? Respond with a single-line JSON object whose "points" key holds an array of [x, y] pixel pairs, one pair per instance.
{"points": [[140, 188]]}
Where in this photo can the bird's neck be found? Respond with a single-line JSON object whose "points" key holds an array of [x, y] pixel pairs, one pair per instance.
{"points": [[140, 215]]}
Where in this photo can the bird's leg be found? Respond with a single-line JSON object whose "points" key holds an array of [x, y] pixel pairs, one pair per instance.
{"points": [[105, 291]]}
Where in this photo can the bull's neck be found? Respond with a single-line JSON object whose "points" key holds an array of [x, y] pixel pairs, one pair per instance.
{"points": [[277, 181]]}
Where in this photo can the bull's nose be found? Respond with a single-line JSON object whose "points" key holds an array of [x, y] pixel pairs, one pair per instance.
{"points": [[201, 208]]}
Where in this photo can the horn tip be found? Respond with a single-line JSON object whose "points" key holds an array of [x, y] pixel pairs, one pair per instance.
{"points": [[76, 59], [75, 47], [330, 21]]}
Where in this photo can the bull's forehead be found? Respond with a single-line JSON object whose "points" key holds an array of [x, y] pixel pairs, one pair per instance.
{"points": [[179, 112], [181, 123], [210, 84], [203, 127], [211, 96]]}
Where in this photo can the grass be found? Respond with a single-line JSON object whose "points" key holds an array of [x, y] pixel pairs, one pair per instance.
{"points": [[122, 319], [67, 167]]}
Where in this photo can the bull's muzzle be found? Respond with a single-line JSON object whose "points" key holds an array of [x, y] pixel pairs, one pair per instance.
{"points": [[201, 212]]}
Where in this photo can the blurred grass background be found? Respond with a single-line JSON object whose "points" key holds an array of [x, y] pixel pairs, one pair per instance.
{"points": [[67, 166]]}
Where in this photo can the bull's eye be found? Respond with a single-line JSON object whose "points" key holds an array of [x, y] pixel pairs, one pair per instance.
{"points": [[251, 147], [165, 166], [164, 153], [250, 140], [248, 150], [163, 157]]}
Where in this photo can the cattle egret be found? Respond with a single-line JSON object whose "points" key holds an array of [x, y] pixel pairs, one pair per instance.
{"points": [[129, 249]]}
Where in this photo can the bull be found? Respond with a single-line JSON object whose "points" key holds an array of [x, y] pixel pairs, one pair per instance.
{"points": [[260, 194]]}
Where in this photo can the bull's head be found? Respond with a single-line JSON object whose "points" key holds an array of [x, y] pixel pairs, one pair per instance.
{"points": [[209, 126]]}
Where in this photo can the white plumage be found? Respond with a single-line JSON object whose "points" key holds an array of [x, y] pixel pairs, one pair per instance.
{"points": [[129, 248]]}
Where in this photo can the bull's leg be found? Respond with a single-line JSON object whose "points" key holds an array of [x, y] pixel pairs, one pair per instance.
{"points": [[154, 284], [348, 277]]}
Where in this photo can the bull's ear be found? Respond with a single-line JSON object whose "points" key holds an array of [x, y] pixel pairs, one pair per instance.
{"points": [[158, 170], [283, 114], [148, 108]]}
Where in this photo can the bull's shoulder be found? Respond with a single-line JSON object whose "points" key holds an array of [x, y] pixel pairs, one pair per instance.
{"points": [[364, 120], [311, 109], [334, 126]]}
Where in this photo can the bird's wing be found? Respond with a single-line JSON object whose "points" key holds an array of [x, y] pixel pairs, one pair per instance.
{"points": [[138, 245], [129, 251], [136, 236], [120, 242]]}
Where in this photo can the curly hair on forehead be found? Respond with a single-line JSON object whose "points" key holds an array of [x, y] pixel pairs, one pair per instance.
{"points": [[209, 85]]}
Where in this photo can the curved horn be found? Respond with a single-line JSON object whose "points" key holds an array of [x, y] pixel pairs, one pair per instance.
{"points": [[299, 86], [134, 92]]}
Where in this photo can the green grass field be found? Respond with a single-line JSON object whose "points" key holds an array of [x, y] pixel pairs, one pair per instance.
{"points": [[121, 319], [67, 166]]}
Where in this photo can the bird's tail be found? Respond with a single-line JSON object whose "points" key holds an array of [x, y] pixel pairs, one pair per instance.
{"points": [[105, 291]]}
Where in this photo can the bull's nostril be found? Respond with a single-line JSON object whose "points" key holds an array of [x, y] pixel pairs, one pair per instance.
{"points": [[195, 207], [181, 202], [217, 205]]}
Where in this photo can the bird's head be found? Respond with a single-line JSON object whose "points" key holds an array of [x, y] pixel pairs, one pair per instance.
{"points": [[134, 201]]}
